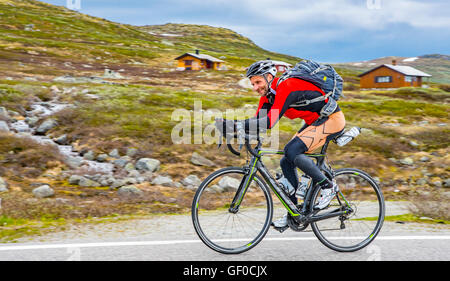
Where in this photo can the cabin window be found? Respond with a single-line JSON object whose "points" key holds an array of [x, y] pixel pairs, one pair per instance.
{"points": [[188, 62], [383, 79], [410, 78]]}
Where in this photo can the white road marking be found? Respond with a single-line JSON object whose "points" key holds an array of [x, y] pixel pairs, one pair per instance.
{"points": [[171, 242]]}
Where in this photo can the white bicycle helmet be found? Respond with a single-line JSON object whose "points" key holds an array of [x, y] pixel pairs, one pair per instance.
{"points": [[260, 68]]}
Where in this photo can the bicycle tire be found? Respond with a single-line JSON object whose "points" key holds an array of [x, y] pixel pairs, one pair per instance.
{"points": [[358, 217], [247, 245]]}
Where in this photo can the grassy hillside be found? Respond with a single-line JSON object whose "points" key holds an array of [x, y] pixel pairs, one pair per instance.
{"points": [[43, 38], [404, 143], [235, 49]]}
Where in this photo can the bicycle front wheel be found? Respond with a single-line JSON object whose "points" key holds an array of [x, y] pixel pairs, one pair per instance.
{"points": [[363, 200], [225, 231]]}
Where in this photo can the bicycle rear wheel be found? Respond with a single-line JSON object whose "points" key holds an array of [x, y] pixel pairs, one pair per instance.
{"points": [[225, 231], [357, 228]]}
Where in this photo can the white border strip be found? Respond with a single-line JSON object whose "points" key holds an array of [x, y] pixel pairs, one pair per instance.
{"points": [[172, 242]]}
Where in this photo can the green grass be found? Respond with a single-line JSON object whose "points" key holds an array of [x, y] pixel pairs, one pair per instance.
{"points": [[401, 108], [408, 218]]}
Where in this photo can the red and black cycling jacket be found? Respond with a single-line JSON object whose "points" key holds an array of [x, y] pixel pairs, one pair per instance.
{"points": [[277, 104]]}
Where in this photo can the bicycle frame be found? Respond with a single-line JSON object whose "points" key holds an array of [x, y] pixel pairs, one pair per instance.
{"points": [[300, 215]]}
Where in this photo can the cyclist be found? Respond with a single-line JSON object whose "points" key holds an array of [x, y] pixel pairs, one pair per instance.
{"points": [[274, 103]]}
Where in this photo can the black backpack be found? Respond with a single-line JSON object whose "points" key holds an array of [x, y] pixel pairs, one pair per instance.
{"points": [[324, 76]]}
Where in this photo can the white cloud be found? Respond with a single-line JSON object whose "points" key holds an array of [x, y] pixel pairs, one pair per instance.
{"points": [[348, 13]]}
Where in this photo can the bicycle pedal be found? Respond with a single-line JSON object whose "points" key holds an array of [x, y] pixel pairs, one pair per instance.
{"points": [[281, 229]]}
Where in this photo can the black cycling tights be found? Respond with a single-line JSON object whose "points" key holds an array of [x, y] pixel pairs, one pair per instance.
{"points": [[294, 157]]}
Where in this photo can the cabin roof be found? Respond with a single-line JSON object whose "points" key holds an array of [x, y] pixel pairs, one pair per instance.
{"points": [[200, 56], [404, 69]]}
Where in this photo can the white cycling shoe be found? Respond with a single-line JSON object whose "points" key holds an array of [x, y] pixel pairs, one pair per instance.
{"points": [[282, 222], [326, 195]]}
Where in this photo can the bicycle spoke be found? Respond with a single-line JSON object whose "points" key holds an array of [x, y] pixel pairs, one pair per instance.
{"points": [[355, 229], [226, 231]]}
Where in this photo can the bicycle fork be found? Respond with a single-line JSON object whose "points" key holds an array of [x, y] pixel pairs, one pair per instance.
{"points": [[243, 186], [256, 165]]}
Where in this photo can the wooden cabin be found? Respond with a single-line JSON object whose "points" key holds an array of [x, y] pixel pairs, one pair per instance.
{"points": [[392, 76], [197, 61]]}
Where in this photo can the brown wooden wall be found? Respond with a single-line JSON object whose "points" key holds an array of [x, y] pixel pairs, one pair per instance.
{"points": [[197, 64], [398, 79]]}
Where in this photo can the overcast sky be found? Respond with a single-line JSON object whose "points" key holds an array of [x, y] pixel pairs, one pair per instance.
{"points": [[324, 30]]}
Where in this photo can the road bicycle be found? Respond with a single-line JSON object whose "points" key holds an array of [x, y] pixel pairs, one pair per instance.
{"points": [[233, 208]]}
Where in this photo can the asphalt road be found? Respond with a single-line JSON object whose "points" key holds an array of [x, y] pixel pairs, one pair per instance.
{"points": [[172, 238]]}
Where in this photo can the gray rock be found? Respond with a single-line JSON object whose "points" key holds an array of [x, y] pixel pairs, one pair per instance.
{"points": [[74, 179], [132, 152], [140, 179], [55, 89], [445, 194], [199, 160], [102, 157], [3, 185], [413, 143], [46, 126], [85, 182], [73, 162], [89, 155], [245, 83], [117, 183], [43, 191], [164, 181], [437, 184], [31, 121], [133, 173], [147, 175], [111, 74], [130, 180], [62, 140], [446, 183], [129, 167], [192, 180], [422, 181], [122, 161], [228, 183], [114, 153], [424, 159], [4, 113], [4, 126], [63, 201], [148, 164], [216, 188], [407, 161], [129, 190]]}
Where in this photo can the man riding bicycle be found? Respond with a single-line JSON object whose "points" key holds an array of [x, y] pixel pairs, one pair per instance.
{"points": [[274, 103]]}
